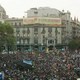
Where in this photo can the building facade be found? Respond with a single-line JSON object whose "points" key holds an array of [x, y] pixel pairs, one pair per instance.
{"points": [[43, 27]]}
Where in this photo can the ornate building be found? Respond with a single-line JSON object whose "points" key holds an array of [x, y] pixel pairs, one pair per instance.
{"points": [[43, 27]]}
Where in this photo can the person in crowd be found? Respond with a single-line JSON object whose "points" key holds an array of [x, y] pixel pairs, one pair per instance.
{"points": [[56, 65]]}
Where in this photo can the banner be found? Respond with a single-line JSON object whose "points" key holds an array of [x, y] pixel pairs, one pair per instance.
{"points": [[43, 20], [27, 62]]}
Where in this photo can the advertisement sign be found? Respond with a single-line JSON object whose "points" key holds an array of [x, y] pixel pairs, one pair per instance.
{"points": [[43, 20]]}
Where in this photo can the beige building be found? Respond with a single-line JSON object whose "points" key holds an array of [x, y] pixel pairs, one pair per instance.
{"points": [[44, 27]]}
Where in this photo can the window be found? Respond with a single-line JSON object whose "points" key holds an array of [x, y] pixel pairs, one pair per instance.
{"points": [[18, 40], [50, 41], [35, 40], [28, 31], [15, 24], [44, 42], [17, 30], [19, 23], [18, 35], [49, 30], [56, 30], [35, 30], [43, 31], [28, 40], [23, 41], [49, 35], [23, 31], [35, 12]]}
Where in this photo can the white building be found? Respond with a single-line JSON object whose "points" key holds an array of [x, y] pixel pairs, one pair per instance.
{"points": [[61, 27], [43, 27]]}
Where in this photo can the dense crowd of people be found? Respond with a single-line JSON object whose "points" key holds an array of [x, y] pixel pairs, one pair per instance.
{"points": [[55, 65]]}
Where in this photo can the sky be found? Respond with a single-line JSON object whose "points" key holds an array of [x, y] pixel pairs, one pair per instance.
{"points": [[17, 8]]}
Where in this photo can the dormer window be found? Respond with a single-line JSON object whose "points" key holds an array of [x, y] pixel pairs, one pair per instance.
{"points": [[35, 12]]}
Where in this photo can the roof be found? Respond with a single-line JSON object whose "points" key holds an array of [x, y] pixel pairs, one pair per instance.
{"points": [[2, 9]]}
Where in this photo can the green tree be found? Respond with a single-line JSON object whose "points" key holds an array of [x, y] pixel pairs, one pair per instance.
{"points": [[7, 38], [74, 44]]}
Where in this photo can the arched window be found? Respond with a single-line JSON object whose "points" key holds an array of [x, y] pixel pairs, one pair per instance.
{"points": [[28, 31], [49, 30], [43, 31]]}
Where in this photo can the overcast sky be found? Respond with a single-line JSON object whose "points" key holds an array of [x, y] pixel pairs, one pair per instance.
{"points": [[16, 8]]}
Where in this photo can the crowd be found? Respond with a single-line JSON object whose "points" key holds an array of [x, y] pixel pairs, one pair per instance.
{"points": [[55, 65]]}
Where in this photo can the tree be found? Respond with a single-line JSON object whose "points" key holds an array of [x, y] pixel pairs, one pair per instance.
{"points": [[74, 44], [7, 38]]}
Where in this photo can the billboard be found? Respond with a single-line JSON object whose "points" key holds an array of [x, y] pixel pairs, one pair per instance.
{"points": [[43, 20]]}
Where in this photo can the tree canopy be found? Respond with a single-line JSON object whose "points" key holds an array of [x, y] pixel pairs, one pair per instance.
{"points": [[6, 36], [74, 44]]}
